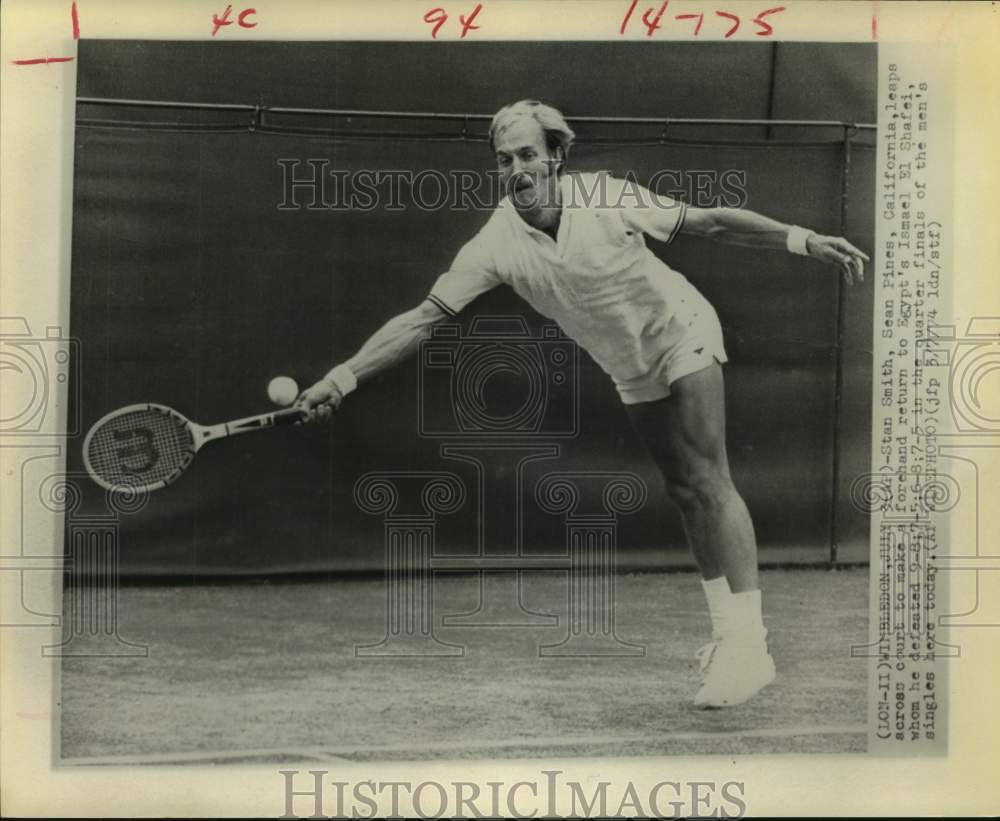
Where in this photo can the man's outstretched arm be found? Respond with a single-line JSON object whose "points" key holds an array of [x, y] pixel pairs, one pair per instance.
{"points": [[390, 344], [741, 227]]}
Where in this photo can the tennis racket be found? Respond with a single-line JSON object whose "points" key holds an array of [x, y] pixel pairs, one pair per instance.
{"points": [[147, 447]]}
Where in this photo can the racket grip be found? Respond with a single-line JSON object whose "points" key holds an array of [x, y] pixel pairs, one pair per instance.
{"points": [[289, 416]]}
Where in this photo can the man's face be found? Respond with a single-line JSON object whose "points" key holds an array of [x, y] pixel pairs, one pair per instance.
{"points": [[527, 170]]}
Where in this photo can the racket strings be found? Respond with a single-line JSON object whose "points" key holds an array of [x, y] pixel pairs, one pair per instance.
{"points": [[140, 448]]}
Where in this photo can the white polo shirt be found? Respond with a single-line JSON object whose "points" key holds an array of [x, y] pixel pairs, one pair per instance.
{"points": [[598, 280]]}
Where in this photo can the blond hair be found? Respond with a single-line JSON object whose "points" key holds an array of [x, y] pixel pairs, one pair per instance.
{"points": [[558, 134]]}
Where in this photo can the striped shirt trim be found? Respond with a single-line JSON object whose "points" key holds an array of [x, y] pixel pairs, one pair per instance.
{"points": [[680, 222], [441, 305]]}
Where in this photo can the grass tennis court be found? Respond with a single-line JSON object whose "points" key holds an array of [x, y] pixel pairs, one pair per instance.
{"points": [[262, 672]]}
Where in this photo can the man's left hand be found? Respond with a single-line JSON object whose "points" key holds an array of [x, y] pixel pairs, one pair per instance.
{"points": [[838, 251]]}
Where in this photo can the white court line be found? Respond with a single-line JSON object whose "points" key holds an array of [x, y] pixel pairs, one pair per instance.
{"points": [[205, 757], [326, 753]]}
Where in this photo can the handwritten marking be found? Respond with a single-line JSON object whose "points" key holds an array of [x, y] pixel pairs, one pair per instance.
{"points": [[467, 22], [766, 28], [34, 61], [652, 17], [736, 25], [241, 19], [40, 61], [218, 23], [628, 16], [654, 24], [438, 17], [700, 17], [439, 20], [874, 27]]}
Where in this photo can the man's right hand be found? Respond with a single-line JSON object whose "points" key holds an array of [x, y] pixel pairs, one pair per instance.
{"points": [[321, 400]]}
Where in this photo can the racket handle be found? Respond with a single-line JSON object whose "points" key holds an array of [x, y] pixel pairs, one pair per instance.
{"points": [[289, 416]]}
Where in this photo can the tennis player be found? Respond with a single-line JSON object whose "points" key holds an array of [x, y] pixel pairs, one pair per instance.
{"points": [[573, 246]]}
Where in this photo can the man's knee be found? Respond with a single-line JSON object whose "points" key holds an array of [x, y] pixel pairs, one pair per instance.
{"points": [[703, 487]]}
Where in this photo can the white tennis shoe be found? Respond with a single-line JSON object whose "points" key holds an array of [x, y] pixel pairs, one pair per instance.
{"points": [[732, 672]]}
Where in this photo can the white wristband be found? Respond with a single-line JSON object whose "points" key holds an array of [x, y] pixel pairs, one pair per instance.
{"points": [[343, 379], [796, 240]]}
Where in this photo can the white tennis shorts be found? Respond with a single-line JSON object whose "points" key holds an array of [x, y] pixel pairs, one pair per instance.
{"points": [[700, 344]]}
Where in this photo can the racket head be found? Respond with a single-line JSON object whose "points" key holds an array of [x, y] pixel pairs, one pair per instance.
{"points": [[141, 447]]}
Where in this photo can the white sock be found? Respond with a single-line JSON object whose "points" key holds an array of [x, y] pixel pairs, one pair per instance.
{"points": [[718, 595], [744, 616]]}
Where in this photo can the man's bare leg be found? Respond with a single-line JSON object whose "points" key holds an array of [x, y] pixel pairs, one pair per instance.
{"points": [[685, 435]]}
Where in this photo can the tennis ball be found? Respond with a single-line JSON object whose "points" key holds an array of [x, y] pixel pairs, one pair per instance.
{"points": [[282, 390]]}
